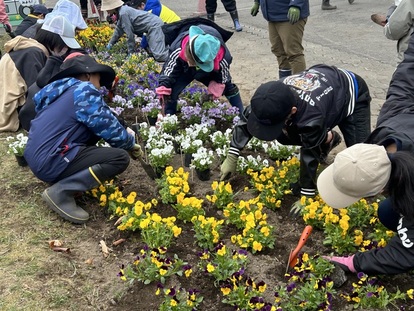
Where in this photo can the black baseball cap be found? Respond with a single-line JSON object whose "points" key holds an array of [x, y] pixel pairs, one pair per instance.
{"points": [[271, 104]]}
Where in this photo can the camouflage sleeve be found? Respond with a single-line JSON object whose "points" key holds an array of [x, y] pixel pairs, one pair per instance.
{"points": [[93, 112]]}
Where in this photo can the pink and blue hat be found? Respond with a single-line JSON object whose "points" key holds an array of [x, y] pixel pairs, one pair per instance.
{"points": [[204, 48]]}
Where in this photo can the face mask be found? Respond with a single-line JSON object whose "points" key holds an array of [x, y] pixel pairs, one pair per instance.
{"points": [[111, 19]]}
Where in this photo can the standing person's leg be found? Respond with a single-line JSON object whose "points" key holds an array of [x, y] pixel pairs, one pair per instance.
{"points": [[357, 127], [292, 37], [98, 4], [90, 168], [276, 46], [211, 7], [327, 6], [230, 6], [84, 8], [156, 43]]}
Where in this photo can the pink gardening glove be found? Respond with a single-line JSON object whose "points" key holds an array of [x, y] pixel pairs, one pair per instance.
{"points": [[216, 89], [346, 263], [162, 90]]}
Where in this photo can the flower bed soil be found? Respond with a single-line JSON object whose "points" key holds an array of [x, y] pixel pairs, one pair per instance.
{"points": [[268, 266]]}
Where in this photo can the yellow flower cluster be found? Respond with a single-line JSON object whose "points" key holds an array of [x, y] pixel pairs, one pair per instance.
{"points": [[188, 207], [207, 231], [343, 227], [95, 37], [173, 184], [317, 213], [273, 182], [157, 231], [223, 194], [250, 218]]}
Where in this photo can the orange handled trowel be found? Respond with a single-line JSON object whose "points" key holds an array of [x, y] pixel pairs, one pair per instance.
{"points": [[293, 256]]}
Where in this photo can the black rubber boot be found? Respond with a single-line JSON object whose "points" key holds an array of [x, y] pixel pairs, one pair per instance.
{"points": [[60, 196], [283, 73], [210, 16], [327, 6], [235, 17]]}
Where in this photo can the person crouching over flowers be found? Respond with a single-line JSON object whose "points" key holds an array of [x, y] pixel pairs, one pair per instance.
{"points": [[71, 118], [364, 170]]}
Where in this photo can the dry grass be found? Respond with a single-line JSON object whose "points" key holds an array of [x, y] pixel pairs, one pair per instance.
{"points": [[33, 276]]}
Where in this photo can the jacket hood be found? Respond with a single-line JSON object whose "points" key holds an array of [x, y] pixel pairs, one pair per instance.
{"points": [[52, 92], [51, 68], [21, 43]]}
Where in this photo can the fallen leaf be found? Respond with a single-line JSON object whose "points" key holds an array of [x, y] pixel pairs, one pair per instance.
{"points": [[119, 220], [89, 261], [117, 242], [105, 249], [55, 243]]}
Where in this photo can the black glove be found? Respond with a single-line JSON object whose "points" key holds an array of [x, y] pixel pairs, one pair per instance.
{"points": [[8, 28], [295, 188]]}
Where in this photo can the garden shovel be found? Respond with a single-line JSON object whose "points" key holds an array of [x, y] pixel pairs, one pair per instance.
{"points": [[147, 168], [293, 256]]}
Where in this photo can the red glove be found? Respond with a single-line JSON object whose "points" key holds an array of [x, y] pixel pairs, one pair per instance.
{"points": [[346, 263], [216, 89]]}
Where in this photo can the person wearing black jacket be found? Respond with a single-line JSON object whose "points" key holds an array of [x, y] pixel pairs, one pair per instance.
{"points": [[198, 52], [394, 132], [38, 11], [302, 110], [52, 66]]}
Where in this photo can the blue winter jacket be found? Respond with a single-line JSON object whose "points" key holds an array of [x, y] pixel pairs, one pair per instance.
{"points": [[70, 114], [277, 10], [154, 6]]}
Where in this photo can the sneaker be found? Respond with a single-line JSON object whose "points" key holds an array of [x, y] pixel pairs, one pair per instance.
{"points": [[326, 148]]}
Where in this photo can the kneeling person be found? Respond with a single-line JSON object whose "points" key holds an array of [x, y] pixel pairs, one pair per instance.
{"points": [[71, 118]]}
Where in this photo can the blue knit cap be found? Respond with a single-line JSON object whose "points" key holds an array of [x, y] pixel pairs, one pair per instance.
{"points": [[203, 48]]}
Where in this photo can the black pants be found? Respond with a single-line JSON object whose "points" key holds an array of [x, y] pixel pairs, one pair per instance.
{"points": [[112, 160], [84, 4], [211, 6], [357, 127]]}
